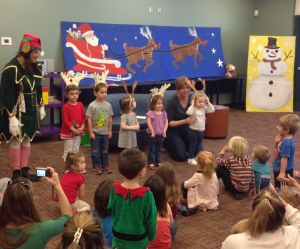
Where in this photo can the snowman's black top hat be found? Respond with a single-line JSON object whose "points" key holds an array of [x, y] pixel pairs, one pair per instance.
{"points": [[272, 43]]}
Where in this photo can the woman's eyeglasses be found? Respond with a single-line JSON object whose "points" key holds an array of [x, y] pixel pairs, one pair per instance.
{"points": [[25, 184]]}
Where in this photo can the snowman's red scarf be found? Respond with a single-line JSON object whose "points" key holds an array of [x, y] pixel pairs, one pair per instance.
{"points": [[272, 63]]}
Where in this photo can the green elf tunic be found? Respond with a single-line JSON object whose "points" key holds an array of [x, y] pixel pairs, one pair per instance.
{"points": [[20, 94], [134, 217]]}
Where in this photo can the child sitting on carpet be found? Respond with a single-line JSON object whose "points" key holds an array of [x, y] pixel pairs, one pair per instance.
{"points": [[72, 182], [132, 206], [236, 170], [173, 192], [83, 230], [164, 213], [101, 198], [260, 156], [203, 187]]}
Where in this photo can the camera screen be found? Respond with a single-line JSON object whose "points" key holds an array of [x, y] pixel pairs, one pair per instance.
{"points": [[264, 182], [41, 172]]}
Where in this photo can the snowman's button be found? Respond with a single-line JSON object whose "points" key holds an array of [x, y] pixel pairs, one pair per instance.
{"points": [[270, 94], [271, 71], [271, 82]]}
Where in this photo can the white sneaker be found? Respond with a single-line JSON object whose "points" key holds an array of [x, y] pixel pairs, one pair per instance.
{"points": [[192, 161]]}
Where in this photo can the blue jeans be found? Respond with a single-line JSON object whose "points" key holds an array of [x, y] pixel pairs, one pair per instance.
{"points": [[99, 147], [177, 143], [173, 228], [196, 138], [155, 148]]}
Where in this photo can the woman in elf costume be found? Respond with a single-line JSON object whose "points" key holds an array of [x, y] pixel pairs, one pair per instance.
{"points": [[21, 104]]}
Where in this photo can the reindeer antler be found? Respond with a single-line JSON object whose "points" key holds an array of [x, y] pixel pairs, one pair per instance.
{"points": [[125, 87], [160, 91], [193, 32], [134, 86], [148, 32], [144, 33], [101, 79], [191, 84], [154, 91], [72, 80], [97, 78]]}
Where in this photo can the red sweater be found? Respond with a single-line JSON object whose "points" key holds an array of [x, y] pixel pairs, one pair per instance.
{"points": [[71, 115]]}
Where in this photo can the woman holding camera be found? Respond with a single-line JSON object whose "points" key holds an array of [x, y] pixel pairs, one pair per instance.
{"points": [[21, 225]]}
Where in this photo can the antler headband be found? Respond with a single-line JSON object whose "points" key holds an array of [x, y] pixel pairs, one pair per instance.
{"points": [[72, 79], [192, 84], [161, 91], [101, 79], [126, 90]]}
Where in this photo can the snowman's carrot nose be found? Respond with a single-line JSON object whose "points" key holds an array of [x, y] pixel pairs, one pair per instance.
{"points": [[272, 52]]}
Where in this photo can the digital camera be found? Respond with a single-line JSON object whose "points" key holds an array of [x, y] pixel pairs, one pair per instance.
{"points": [[43, 172]]}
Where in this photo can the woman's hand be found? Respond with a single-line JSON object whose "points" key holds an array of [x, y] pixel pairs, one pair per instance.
{"points": [[290, 180], [190, 120], [54, 179]]}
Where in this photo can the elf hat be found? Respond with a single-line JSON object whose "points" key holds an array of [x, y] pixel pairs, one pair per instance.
{"points": [[30, 43]]}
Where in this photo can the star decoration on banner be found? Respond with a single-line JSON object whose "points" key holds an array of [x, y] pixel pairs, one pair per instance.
{"points": [[220, 63], [135, 38], [116, 39], [212, 34], [213, 50]]}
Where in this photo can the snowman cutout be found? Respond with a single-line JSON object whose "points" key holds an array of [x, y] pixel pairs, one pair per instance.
{"points": [[271, 90]]}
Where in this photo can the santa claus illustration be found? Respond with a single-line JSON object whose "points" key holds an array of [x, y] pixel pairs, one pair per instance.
{"points": [[89, 55]]}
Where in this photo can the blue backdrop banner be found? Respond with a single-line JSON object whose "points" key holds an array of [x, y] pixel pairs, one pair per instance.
{"points": [[142, 53]]}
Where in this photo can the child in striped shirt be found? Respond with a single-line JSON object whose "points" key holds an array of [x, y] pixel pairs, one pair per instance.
{"points": [[199, 106], [236, 170]]}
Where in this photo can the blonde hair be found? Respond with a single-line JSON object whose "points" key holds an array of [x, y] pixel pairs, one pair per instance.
{"points": [[261, 153], [206, 164], [267, 214], [290, 122], [238, 146], [173, 191], [199, 94], [92, 233], [238, 227], [72, 159], [291, 195]]}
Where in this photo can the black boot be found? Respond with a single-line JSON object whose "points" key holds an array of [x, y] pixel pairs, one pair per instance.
{"points": [[25, 173], [16, 174]]}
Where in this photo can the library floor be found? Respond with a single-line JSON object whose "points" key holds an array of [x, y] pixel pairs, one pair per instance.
{"points": [[204, 230]]}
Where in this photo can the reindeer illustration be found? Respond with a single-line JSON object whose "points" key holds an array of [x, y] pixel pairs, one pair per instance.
{"points": [[179, 52], [135, 54]]}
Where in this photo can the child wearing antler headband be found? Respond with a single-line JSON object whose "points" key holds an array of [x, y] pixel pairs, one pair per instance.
{"points": [[99, 115], [157, 122], [199, 106], [73, 114], [129, 124]]}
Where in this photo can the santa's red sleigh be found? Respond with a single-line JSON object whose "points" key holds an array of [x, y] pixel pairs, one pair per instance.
{"points": [[90, 58]]}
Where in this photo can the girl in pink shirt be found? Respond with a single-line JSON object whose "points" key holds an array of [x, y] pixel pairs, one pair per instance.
{"points": [[203, 187]]}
